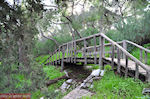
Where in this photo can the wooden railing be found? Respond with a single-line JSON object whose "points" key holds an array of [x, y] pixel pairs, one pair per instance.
{"points": [[116, 50]]}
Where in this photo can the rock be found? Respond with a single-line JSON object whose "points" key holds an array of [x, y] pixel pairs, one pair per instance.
{"points": [[96, 78], [65, 71], [95, 72], [91, 86], [57, 90], [68, 87], [146, 91], [83, 85], [102, 73], [42, 98], [77, 93], [69, 81], [64, 86], [90, 81], [88, 84], [87, 67]]}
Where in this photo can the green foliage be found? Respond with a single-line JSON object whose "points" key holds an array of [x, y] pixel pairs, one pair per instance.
{"points": [[136, 30], [52, 72], [112, 86], [136, 53], [107, 68]]}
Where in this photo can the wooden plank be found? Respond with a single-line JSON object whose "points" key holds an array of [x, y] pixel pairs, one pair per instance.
{"points": [[62, 60], [140, 47], [126, 67], [131, 65], [141, 55], [75, 51], [53, 58], [125, 47], [127, 53], [67, 53], [71, 52], [137, 71], [145, 57], [112, 56], [118, 57], [56, 58], [101, 51], [95, 55], [59, 53], [85, 58], [148, 76]]}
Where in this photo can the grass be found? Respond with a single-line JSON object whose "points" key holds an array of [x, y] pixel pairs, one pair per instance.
{"points": [[136, 53], [112, 86]]}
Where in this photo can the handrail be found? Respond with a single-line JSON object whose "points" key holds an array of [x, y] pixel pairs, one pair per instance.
{"points": [[141, 47], [127, 53], [115, 44], [107, 44]]}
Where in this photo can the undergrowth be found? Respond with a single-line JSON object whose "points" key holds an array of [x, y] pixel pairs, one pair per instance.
{"points": [[112, 86]]}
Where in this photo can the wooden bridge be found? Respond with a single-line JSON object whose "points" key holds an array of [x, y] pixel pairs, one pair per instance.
{"points": [[99, 49]]}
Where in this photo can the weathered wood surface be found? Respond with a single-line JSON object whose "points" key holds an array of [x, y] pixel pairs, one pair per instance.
{"points": [[131, 65], [118, 54]]}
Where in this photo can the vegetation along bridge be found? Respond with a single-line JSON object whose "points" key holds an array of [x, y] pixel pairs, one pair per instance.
{"points": [[99, 49]]}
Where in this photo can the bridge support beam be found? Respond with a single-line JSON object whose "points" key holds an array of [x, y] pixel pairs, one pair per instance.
{"points": [[101, 52], [62, 60], [125, 47], [85, 57]]}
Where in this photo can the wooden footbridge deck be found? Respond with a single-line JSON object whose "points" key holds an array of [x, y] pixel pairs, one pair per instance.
{"points": [[99, 49]]}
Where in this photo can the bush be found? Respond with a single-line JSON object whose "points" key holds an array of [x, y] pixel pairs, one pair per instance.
{"points": [[132, 29]]}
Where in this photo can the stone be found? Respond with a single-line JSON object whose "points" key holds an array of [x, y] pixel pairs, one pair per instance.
{"points": [[83, 85], [90, 81], [64, 86], [65, 71], [42, 98], [69, 81], [87, 67], [88, 84], [77, 93], [91, 86], [96, 72], [102, 73], [96, 78], [146, 91], [57, 90]]}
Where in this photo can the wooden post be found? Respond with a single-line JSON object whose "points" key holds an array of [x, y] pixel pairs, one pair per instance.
{"points": [[110, 49], [85, 58], [67, 53], [125, 47], [112, 56], [95, 55], [101, 42], [118, 57], [59, 54], [126, 67], [62, 60], [103, 47], [51, 59], [148, 76], [75, 51], [71, 51], [137, 71], [145, 57], [56, 58], [141, 55]]}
